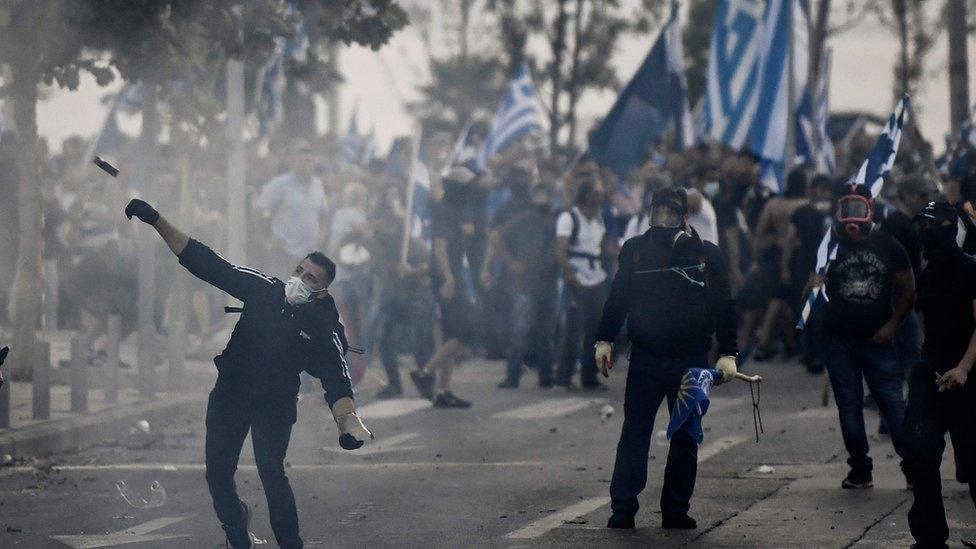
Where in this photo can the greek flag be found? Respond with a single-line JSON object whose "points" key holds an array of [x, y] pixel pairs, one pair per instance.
{"points": [[653, 101], [874, 171], [691, 403], [767, 136], [826, 161], [518, 115], [733, 71]]}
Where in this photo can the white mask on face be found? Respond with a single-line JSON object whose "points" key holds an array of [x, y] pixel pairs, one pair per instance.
{"points": [[297, 292]]}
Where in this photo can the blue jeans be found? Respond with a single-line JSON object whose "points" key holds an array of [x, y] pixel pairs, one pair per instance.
{"points": [[649, 381], [848, 360], [532, 335]]}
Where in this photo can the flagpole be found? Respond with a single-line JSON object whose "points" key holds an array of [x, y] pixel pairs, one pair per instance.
{"points": [[411, 187], [790, 151]]}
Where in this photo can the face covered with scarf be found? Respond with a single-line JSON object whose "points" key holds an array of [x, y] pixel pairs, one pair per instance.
{"points": [[938, 226]]}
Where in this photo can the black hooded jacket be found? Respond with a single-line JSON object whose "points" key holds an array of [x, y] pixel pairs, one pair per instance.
{"points": [[273, 341], [671, 313]]}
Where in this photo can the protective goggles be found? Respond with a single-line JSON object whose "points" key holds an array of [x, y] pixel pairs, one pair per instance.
{"points": [[854, 208]]}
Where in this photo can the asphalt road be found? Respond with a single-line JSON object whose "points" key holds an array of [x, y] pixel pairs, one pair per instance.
{"points": [[524, 468]]}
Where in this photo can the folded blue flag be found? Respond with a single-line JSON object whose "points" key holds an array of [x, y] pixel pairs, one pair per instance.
{"points": [[692, 402]]}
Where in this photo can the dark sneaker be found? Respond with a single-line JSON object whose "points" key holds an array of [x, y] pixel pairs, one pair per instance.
{"points": [[682, 522], [595, 387], [508, 383], [390, 391], [620, 520], [424, 383], [857, 480], [239, 537], [448, 400]]}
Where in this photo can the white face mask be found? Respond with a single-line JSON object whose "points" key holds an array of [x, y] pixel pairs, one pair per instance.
{"points": [[297, 292], [711, 189]]}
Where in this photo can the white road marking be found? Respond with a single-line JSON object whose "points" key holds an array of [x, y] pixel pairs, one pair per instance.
{"points": [[712, 449], [193, 467], [391, 444], [557, 519], [384, 409], [549, 408], [139, 533]]}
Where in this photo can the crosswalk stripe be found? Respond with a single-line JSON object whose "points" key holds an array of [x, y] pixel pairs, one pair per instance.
{"points": [[385, 409], [549, 408], [714, 448], [557, 519]]}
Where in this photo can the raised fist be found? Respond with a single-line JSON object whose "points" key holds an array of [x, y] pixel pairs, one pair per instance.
{"points": [[142, 210]]}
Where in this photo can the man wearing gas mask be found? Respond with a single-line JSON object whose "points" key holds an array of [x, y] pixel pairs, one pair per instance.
{"points": [[871, 290], [286, 328], [673, 291], [940, 396]]}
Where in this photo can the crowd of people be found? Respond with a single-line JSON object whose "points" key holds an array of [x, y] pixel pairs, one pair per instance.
{"points": [[513, 261]]}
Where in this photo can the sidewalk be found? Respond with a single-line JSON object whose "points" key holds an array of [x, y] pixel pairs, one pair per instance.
{"points": [[67, 430]]}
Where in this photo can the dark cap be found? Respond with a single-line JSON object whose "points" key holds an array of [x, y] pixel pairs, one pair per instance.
{"points": [[937, 212]]}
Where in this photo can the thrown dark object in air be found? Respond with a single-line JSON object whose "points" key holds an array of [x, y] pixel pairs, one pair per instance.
{"points": [[106, 166]]}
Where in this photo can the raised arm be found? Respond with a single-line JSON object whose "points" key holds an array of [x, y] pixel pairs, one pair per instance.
{"points": [[200, 260]]}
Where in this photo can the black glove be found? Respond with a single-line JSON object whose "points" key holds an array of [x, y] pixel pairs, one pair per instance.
{"points": [[3, 354], [142, 210]]}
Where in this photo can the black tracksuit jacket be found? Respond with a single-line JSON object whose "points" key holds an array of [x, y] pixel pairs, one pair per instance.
{"points": [[667, 315], [273, 341]]}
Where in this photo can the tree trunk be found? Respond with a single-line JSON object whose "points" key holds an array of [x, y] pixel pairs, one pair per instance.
{"points": [[958, 64], [574, 79], [818, 39], [556, 75], [902, 73], [25, 299]]}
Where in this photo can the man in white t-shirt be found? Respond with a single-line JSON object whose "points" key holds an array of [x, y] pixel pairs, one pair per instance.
{"points": [[580, 240], [295, 204]]}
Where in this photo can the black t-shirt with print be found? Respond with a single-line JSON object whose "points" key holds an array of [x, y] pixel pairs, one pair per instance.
{"points": [[945, 298], [859, 284]]}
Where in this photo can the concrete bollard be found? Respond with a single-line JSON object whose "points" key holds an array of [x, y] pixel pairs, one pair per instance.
{"points": [[41, 381], [113, 363], [51, 295], [79, 374]]}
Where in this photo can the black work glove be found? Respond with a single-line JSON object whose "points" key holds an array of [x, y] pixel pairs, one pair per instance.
{"points": [[142, 210]]}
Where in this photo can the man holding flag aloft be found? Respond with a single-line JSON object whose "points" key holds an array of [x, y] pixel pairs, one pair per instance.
{"points": [[673, 290]]}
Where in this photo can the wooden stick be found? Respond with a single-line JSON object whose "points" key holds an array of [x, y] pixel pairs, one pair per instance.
{"points": [[748, 378]]}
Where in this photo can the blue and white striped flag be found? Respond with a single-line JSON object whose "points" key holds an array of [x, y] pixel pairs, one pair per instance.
{"points": [[768, 133], [874, 171], [733, 71], [826, 160], [518, 115]]}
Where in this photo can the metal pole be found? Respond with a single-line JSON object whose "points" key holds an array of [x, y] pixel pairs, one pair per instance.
{"points": [[51, 295], [41, 381], [79, 374], [236, 236], [113, 363]]}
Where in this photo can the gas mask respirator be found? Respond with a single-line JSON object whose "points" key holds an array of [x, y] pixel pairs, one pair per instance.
{"points": [[854, 215]]}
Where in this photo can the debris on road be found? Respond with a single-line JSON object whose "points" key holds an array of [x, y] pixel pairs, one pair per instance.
{"points": [[606, 412], [157, 495], [765, 470]]}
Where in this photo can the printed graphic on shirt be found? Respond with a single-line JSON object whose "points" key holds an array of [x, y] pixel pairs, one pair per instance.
{"points": [[861, 277]]}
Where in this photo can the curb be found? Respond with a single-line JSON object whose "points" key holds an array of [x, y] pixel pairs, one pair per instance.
{"points": [[85, 430]]}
